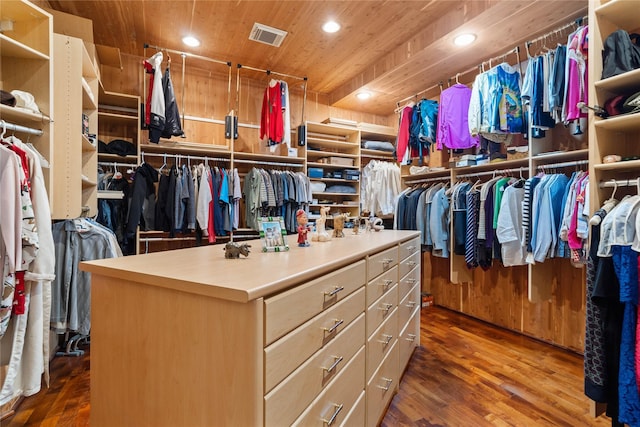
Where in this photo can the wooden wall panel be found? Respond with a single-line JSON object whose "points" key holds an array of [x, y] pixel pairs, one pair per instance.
{"points": [[206, 95]]}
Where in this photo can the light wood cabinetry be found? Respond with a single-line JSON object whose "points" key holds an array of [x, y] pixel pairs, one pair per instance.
{"points": [[335, 150], [288, 346], [26, 65], [119, 118], [76, 104], [616, 135]]}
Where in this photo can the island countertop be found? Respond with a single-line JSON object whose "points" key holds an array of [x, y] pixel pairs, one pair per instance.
{"points": [[204, 270]]}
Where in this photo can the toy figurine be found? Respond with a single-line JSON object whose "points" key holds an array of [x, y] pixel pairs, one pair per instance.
{"points": [[321, 234], [303, 228], [233, 250], [338, 225]]}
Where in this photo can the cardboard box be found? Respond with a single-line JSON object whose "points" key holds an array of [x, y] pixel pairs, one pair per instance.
{"points": [[340, 161]]}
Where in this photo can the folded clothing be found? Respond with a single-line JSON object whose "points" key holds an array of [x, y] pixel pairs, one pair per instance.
{"points": [[117, 146], [318, 187], [341, 189], [378, 145]]}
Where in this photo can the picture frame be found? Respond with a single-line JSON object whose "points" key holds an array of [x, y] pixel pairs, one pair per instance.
{"points": [[273, 234]]}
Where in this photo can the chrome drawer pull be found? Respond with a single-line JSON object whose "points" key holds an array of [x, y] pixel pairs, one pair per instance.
{"points": [[335, 326], [411, 263], [335, 290], [411, 304], [386, 308], [335, 414], [388, 381], [411, 281], [386, 283], [387, 261], [387, 339], [412, 337], [411, 248], [334, 365]]}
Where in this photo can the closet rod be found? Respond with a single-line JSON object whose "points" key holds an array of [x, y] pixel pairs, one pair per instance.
{"points": [[18, 128], [116, 164], [493, 172], [187, 54], [574, 23], [425, 180], [269, 72], [183, 156], [263, 162], [430, 88], [564, 164], [619, 183]]}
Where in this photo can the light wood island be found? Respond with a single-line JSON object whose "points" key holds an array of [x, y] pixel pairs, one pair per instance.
{"points": [[313, 336]]}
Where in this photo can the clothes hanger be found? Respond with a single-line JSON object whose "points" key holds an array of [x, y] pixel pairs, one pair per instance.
{"points": [[164, 164], [457, 78], [4, 129]]}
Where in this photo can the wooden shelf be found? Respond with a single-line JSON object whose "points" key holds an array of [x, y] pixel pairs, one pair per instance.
{"points": [[87, 146], [14, 49], [622, 83], [631, 165], [118, 118], [178, 148], [335, 205], [562, 156], [19, 114], [330, 129], [622, 13], [327, 166], [498, 166], [334, 194], [87, 183], [376, 154], [321, 154], [328, 143], [123, 159], [88, 102], [115, 99], [623, 123], [88, 68]]}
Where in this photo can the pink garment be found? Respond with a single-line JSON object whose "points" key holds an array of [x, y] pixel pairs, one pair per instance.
{"points": [[402, 146], [211, 225], [575, 242], [453, 119], [577, 78], [637, 350]]}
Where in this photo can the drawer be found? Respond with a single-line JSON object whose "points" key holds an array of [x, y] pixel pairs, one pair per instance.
{"points": [[285, 355], [408, 264], [381, 341], [357, 415], [286, 311], [381, 262], [409, 339], [406, 283], [408, 305], [292, 396], [381, 284], [409, 248], [337, 400], [381, 309], [381, 387]]}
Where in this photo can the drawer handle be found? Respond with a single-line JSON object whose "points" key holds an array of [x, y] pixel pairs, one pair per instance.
{"points": [[410, 304], [411, 281], [334, 291], [411, 248], [386, 387], [335, 326], [387, 261], [386, 307], [412, 263], [412, 337], [334, 365], [386, 283], [332, 419], [387, 339]]}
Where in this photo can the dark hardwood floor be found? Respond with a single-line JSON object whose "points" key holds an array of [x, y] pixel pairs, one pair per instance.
{"points": [[466, 373]]}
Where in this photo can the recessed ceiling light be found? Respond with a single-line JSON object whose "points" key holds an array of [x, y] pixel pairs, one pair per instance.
{"points": [[464, 39], [331, 27], [191, 41], [363, 95]]}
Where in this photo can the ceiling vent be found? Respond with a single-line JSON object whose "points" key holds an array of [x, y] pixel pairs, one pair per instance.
{"points": [[267, 35]]}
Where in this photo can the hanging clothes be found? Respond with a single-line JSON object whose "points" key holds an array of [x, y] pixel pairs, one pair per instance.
{"points": [[453, 119], [155, 105], [403, 150], [576, 74], [380, 185], [272, 120], [172, 125]]}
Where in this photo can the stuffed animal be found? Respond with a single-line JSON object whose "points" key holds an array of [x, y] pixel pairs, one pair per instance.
{"points": [[233, 250], [338, 225]]}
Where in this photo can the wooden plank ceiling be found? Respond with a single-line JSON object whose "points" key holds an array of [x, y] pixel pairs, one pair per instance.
{"points": [[394, 49]]}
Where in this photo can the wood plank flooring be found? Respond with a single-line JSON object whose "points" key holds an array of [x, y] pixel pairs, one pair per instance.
{"points": [[466, 373]]}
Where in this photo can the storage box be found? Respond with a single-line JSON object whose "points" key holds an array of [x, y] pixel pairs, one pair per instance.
{"points": [[315, 172], [352, 175], [339, 161], [337, 174], [427, 299]]}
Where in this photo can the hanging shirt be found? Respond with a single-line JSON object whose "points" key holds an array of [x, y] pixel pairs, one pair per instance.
{"points": [[577, 74], [272, 123], [403, 152], [453, 119]]}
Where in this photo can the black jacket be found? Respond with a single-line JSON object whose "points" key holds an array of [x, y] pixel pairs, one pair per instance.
{"points": [[172, 125], [143, 192]]}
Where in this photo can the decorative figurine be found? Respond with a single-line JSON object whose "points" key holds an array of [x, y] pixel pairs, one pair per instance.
{"points": [[232, 250], [321, 234], [374, 224], [356, 225], [303, 228], [338, 225]]}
